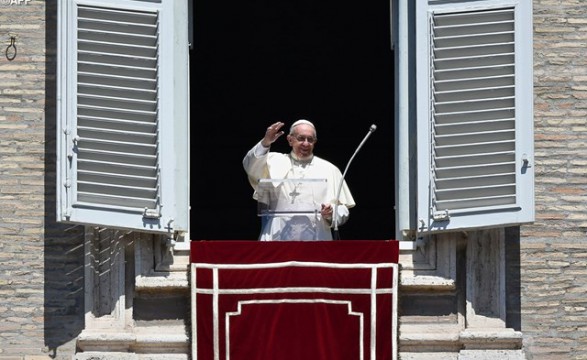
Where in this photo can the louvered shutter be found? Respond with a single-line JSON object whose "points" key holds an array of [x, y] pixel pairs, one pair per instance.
{"points": [[123, 114], [474, 114]]}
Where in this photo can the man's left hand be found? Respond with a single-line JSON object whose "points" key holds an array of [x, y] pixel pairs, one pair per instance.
{"points": [[326, 211]]}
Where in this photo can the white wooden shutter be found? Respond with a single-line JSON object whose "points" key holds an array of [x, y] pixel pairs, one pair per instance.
{"points": [[123, 114], [474, 114]]}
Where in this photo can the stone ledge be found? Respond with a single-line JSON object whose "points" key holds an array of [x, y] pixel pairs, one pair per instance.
{"points": [[155, 340], [424, 282], [491, 355], [451, 338], [486, 339], [465, 355], [429, 338], [94, 355], [429, 356], [162, 281]]}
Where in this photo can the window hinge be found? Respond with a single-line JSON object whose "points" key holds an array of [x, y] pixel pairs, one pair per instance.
{"points": [[526, 163], [422, 226], [151, 214], [441, 215]]}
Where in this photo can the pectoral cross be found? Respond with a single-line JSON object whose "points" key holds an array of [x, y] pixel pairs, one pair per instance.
{"points": [[294, 194]]}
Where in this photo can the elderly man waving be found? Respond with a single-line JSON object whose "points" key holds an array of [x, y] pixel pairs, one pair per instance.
{"points": [[300, 163]]}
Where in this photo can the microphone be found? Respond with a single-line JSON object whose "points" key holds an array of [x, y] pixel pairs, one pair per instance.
{"points": [[336, 236]]}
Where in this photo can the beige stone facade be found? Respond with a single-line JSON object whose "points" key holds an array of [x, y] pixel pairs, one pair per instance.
{"points": [[500, 294]]}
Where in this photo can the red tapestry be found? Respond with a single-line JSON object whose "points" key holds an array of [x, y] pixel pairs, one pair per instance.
{"points": [[293, 300]]}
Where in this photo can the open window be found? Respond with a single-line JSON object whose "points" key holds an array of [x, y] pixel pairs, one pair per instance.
{"points": [[470, 145], [122, 133]]}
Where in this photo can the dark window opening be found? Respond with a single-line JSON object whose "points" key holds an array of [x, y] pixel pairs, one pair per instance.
{"points": [[257, 62]]}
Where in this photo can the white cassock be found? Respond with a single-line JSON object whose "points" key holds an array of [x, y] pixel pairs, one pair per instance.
{"points": [[259, 163]]}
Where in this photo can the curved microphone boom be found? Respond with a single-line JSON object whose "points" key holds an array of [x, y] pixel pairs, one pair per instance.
{"points": [[334, 214]]}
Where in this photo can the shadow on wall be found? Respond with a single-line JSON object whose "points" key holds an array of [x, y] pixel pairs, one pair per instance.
{"points": [[513, 278], [63, 244]]}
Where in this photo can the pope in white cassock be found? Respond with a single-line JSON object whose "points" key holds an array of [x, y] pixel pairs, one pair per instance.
{"points": [[299, 189]]}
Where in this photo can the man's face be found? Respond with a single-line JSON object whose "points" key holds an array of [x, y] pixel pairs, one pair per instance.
{"points": [[302, 141]]}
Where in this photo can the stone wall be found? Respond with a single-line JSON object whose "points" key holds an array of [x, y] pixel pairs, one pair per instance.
{"points": [[553, 249], [41, 262]]}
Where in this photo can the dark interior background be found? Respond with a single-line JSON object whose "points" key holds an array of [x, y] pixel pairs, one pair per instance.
{"points": [[261, 61]]}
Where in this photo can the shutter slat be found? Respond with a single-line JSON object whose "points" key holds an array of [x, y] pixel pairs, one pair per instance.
{"points": [[473, 83], [477, 204], [472, 149], [120, 179], [113, 103], [117, 37], [88, 154], [115, 202], [474, 72], [117, 81], [476, 115], [114, 134], [117, 15], [460, 95], [117, 92], [486, 137], [450, 128], [98, 69], [474, 105], [474, 181], [472, 17], [475, 34], [103, 167], [463, 63], [117, 49], [468, 171], [456, 162], [120, 22], [87, 25], [106, 61], [112, 139], [467, 40], [119, 124], [121, 60], [123, 114], [467, 194], [116, 190], [132, 150]]}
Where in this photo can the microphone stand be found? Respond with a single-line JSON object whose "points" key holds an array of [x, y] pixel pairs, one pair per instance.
{"points": [[336, 235]]}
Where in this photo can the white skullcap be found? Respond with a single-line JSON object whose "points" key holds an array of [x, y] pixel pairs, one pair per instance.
{"points": [[300, 122]]}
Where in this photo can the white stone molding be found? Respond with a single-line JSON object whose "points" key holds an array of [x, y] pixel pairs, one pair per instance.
{"points": [[105, 300], [159, 265], [114, 260], [431, 265], [486, 279], [471, 267]]}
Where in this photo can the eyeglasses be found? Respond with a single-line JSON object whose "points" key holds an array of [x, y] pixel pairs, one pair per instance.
{"points": [[302, 138]]}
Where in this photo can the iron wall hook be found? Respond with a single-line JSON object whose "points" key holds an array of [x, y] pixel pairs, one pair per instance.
{"points": [[11, 49]]}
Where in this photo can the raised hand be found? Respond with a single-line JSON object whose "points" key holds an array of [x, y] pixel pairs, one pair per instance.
{"points": [[273, 133]]}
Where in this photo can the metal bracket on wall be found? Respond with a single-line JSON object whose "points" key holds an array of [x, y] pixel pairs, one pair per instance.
{"points": [[11, 49]]}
